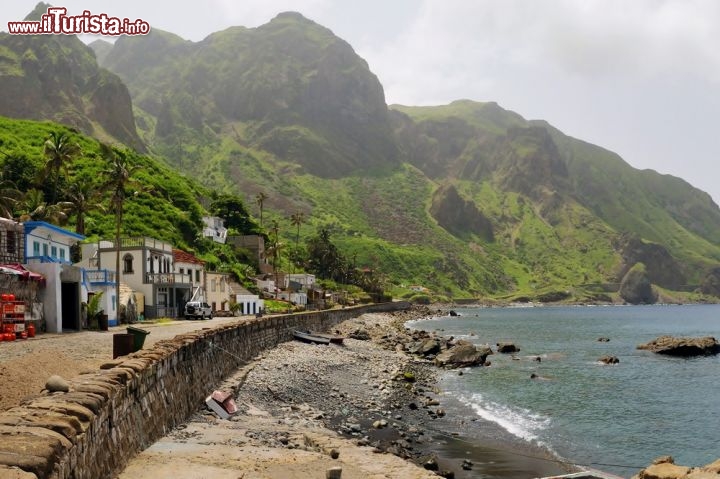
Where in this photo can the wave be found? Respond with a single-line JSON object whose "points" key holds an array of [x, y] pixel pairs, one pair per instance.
{"points": [[519, 422]]}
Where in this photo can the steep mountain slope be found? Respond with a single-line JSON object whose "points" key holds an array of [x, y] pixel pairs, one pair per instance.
{"points": [[289, 87], [572, 188], [467, 198], [56, 77]]}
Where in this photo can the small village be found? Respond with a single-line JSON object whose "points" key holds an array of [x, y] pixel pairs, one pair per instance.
{"points": [[43, 290]]}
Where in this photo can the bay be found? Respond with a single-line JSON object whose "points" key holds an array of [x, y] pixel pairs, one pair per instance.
{"points": [[616, 418]]}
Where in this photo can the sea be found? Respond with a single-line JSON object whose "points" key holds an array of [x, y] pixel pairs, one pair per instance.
{"points": [[616, 418]]}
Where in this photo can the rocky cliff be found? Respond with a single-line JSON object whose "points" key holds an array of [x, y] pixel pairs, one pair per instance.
{"points": [[56, 77]]}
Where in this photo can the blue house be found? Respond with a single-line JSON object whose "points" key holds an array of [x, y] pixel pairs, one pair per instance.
{"points": [[48, 252]]}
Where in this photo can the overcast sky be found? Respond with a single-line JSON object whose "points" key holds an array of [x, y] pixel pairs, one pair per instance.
{"points": [[640, 77]]}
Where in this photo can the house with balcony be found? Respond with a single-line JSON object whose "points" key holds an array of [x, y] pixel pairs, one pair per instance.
{"points": [[215, 229], [147, 265], [47, 251]]}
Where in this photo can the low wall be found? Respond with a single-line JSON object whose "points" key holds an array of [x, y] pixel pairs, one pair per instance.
{"points": [[111, 415]]}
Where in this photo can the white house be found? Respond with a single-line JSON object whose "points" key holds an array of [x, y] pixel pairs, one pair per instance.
{"points": [[48, 252], [187, 264], [215, 229], [148, 266]]}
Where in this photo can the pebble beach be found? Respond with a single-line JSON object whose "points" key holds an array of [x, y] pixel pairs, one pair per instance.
{"points": [[364, 409]]}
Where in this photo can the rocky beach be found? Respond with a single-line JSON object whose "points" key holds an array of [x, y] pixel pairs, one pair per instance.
{"points": [[367, 407]]}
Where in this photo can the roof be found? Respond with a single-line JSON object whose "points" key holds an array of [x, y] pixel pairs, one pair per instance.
{"points": [[181, 256], [31, 225]]}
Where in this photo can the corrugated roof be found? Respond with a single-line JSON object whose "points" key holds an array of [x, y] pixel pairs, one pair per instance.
{"points": [[185, 257]]}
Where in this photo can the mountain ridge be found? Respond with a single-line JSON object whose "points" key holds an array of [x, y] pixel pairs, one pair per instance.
{"points": [[467, 198]]}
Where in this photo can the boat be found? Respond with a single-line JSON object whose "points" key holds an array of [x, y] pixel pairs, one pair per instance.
{"points": [[307, 337], [334, 338]]}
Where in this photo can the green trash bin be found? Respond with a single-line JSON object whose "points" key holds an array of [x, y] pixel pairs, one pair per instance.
{"points": [[138, 337]]}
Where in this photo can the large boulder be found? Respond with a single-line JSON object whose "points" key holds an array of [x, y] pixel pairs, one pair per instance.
{"points": [[463, 354], [682, 346], [635, 287]]}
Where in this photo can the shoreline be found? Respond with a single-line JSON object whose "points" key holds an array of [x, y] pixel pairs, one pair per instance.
{"points": [[298, 402]]}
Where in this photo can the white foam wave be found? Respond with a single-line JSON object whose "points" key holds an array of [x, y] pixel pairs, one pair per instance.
{"points": [[518, 422]]}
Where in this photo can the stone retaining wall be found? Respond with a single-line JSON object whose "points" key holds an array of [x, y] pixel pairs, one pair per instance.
{"points": [[111, 415]]}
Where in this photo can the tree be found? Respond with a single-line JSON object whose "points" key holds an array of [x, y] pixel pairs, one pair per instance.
{"points": [[83, 196], [118, 178], [260, 200], [9, 196], [232, 209], [33, 207], [273, 250], [297, 219], [59, 151], [324, 259]]}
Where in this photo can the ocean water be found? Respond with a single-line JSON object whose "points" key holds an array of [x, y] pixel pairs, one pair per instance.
{"points": [[617, 418]]}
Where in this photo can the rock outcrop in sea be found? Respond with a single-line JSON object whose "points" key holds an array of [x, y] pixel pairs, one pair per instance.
{"points": [[684, 347]]}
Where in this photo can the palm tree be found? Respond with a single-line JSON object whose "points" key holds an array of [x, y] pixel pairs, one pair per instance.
{"points": [[84, 197], [9, 196], [297, 219], [118, 178], [260, 200], [35, 208], [59, 152], [273, 250]]}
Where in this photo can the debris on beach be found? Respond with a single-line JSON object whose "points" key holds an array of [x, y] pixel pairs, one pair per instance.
{"points": [[222, 404]]}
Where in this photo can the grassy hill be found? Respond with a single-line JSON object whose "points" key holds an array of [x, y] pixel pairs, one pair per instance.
{"points": [[166, 206]]}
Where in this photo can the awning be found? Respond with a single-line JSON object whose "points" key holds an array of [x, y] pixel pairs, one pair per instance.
{"points": [[20, 270]]}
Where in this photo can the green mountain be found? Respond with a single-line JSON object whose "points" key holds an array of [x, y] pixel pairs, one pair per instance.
{"points": [[56, 77], [290, 88], [467, 199]]}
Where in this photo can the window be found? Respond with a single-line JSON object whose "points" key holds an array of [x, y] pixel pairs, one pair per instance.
{"points": [[113, 302], [222, 285], [213, 285], [127, 263], [36, 248], [45, 249], [182, 270], [53, 251], [197, 275], [11, 242], [62, 253]]}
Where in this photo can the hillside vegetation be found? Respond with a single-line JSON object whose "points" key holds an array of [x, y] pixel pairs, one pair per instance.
{"points": [[467, 199]]}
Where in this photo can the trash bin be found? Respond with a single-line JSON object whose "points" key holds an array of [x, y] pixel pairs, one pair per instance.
{"points": [[139, 336], [123, 344], [103, 322]]}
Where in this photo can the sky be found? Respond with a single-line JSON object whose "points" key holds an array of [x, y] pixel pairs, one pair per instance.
{"points": [[638, 77]]}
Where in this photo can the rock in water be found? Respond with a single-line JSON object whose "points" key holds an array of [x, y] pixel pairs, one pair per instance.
{"points": [[57, 384], [684, 347], [609, 360], [463, 354], [507, 348]]}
